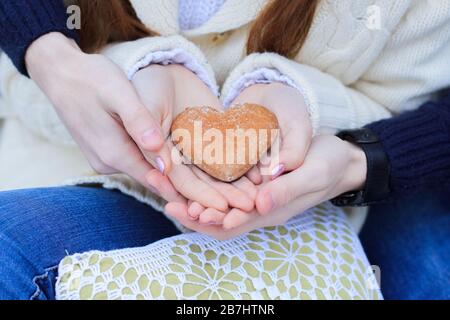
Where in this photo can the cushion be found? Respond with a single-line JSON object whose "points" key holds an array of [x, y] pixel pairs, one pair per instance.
{"points": [[316, 255]]}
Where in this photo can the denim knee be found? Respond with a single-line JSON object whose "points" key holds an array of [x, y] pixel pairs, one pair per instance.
{"points": [[45, 284], [20, 279]]}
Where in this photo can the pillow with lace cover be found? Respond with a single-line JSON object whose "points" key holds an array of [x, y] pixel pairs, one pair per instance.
{"points": [[316, 255]]}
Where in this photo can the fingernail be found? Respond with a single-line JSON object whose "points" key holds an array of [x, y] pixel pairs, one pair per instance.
{"points": [[191, 215], [150, 136], [192, 218], [277, 171], [160, 165]]}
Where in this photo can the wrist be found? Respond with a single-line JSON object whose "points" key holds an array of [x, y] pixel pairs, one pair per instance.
{"points": [[53, 48], [172, 72], [190, 89], [261, 93], [356, 174], [179, 74], [376, 186]]}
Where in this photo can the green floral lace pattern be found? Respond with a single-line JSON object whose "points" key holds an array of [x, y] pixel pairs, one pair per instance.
{"points": [[314, 256]]}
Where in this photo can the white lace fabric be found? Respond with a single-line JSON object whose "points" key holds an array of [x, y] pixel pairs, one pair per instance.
{"points": [[314, 256]]}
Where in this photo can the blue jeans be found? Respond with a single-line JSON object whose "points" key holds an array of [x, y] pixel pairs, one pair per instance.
{"points": [[410, 241], [39, 227]]}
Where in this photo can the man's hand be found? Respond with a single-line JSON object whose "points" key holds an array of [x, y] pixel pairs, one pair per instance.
{"points": [[99, 107]]}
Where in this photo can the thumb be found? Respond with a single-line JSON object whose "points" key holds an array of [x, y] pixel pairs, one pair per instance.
{"points": [[285, 189], [146, 132], [288, 152]]}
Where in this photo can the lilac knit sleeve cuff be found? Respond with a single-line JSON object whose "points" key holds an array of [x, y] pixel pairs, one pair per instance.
{"points": [[258, 76], [175, 56]]}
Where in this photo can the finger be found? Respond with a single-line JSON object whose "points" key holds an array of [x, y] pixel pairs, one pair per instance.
{"points": [[178, 211], [126, 158], [143, 128], [195, 209], [254, 175], [191, 187], [135, 165], [287, 188], [189, 203], [234, 196], [236, 218], [289, 154], [264, 168], [246, 186], [164, 187], [211, 217]]}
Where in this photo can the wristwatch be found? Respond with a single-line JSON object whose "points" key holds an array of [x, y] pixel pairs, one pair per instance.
{"points": [[376, 187]]}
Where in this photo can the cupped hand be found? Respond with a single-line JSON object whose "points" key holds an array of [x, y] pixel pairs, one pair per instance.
{"points": [[99, 107], [167, 91], [287, 153], [288, 104]]}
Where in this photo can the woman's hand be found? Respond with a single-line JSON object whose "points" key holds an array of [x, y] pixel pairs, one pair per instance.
{"points": [[288, 105], [331, 167], [296, 134], [167, 91], [99, 107]]}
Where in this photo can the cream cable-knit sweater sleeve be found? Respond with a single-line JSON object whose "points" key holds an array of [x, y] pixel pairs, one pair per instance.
{"points": [[413, 64]]}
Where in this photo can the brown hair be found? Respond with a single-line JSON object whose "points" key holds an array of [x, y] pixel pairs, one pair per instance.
{"points": [[282, 27]]}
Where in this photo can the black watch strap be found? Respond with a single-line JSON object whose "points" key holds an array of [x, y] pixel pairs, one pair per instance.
{"points": [[376, 187]]}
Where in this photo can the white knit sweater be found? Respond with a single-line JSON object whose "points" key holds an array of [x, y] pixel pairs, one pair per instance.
{"points": [[351, 74]]}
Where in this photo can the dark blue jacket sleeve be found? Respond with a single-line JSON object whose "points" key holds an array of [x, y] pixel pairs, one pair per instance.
{"points": [[417, 144], [23, 21]]}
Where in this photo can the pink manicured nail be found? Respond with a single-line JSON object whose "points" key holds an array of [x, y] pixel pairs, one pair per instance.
{"points": [[277, 171], [160, 165], [194, 210], [150, 136]]}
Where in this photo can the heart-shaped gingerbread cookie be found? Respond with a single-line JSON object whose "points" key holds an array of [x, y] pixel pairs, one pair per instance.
{"points": [[225, 144]]}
